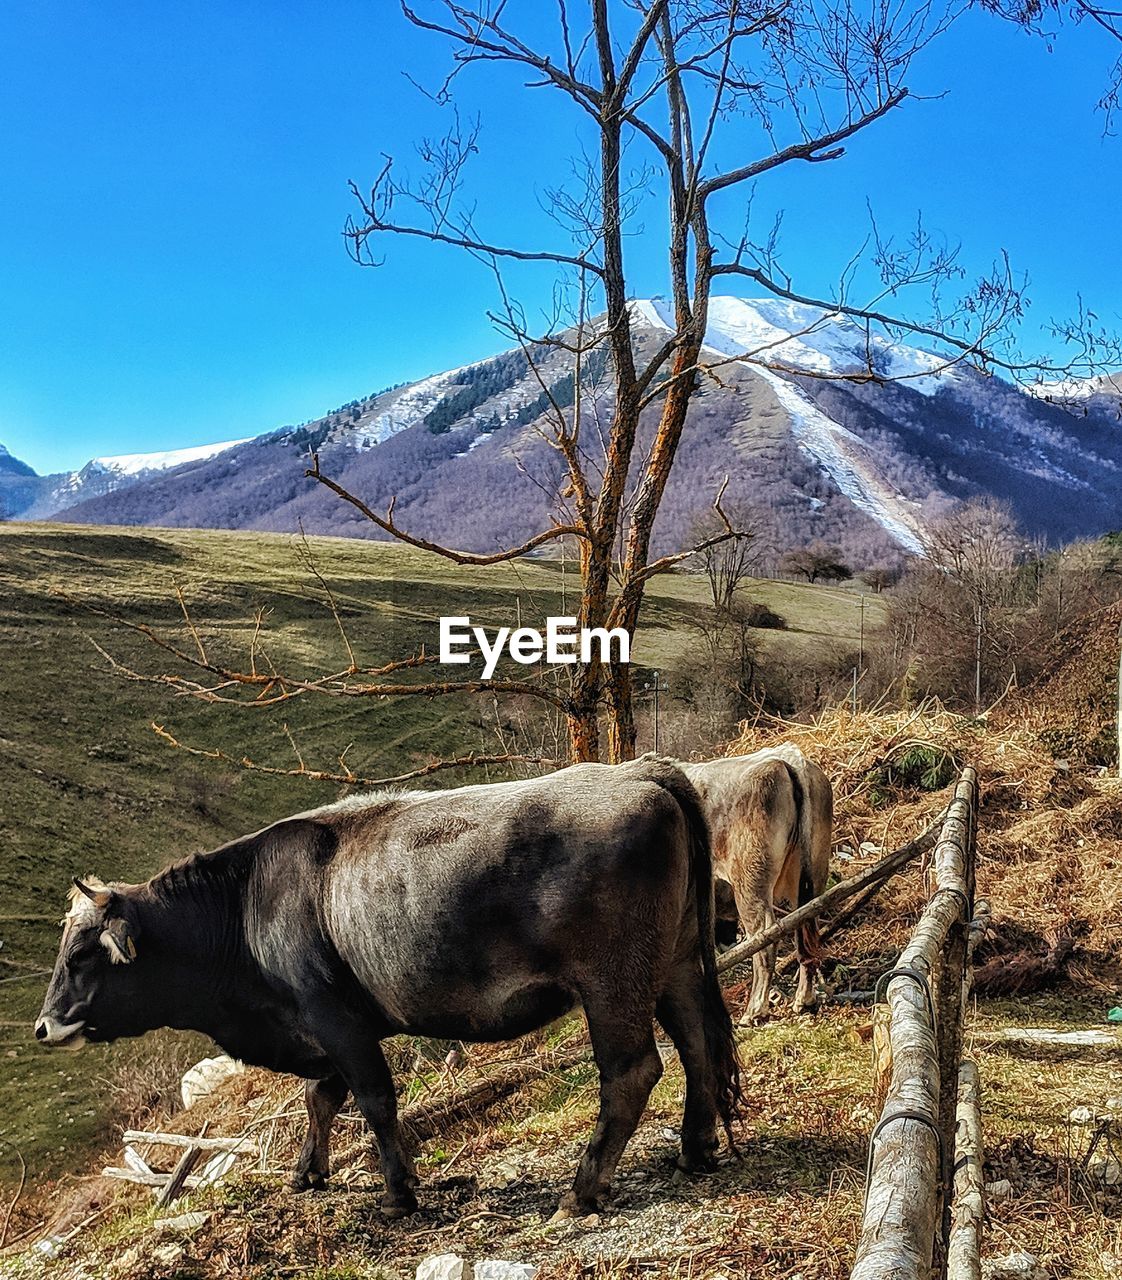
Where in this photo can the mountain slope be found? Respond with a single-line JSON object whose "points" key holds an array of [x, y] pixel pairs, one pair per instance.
{"points": [[863, 464], [101, 476]]}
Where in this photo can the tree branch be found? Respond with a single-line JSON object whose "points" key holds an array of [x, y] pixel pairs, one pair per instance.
{"points": [[386, 524], [348, 778], [811, 151]]}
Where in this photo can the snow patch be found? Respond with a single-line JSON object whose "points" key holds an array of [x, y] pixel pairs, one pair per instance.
{"points": [[134, 464], [790, 336], [1108, 384], [846, 459], [409, 406], [821, 344]]}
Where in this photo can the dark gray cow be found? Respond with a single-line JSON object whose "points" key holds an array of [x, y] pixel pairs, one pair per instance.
{"points": [[476, 914]]}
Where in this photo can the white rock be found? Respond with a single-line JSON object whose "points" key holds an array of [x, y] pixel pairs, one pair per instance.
{"points": [[204, 1077], [868, 847], [1082, 1115], [443, 1266], [506, 1173], [184, 1222], [1014, 1266], [1106, 1170], [1002, 1189], [495, 1269], [217, 1167], [167, 1255]]}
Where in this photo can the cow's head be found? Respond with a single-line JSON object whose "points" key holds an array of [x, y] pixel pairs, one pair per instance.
{"points": [[91, 987]]}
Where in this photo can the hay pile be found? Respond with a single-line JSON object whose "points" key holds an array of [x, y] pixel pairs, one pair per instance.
{"points": [[1050, 834]]}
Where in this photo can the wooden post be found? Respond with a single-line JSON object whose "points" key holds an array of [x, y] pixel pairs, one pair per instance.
{"points": [[964, 1245], [902, 1202], [1119, 712], [949, 994], [177, 1183], [874, 875]]}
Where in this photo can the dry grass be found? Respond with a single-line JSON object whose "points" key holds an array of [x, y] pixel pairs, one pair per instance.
{"points": [[1050, 834]]}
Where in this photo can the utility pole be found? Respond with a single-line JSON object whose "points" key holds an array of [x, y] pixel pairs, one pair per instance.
{"points": [[657, 688]]}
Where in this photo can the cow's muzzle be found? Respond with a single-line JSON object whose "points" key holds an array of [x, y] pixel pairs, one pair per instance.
{"points": [[59, 1035]]}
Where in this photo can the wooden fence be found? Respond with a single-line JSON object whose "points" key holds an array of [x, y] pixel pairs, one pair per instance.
{"points": [[923, 1201]]}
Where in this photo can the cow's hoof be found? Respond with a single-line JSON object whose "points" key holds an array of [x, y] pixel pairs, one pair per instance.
{"points": [[753, 1019], [307, 1180], [571, 1208], [398, 1206], [697, 1162]]}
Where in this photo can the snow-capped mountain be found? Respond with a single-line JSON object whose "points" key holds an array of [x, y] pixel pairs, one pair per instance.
{"points": [[101, 476], [861, 464]]}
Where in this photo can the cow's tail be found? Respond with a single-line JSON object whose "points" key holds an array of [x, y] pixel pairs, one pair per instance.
{"points": [[808, 939], [720, 1039]]}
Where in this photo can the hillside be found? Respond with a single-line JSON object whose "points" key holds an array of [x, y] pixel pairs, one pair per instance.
{"points": [[90, 789], [864, 465]]}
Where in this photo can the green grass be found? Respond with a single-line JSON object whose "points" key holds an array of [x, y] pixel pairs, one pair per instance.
{"points": [[88, 788]]}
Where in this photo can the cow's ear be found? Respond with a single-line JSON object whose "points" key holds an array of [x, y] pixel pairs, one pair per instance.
{"points": [[99, 895], [117, 940]]}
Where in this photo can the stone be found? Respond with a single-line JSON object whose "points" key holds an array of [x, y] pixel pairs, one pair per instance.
{"points": [[1106, 1170], [1014, 1266], [506, 1173], [443, 1266], [496, 1269], [184, 1222], [1002, 1189], [201, 1080], [167, 1255]]}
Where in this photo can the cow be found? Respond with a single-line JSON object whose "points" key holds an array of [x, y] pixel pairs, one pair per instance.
{"points": [[770, 818], [477, 914]]}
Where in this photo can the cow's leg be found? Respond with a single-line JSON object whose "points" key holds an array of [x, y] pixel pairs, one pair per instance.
{"points": [[679, 1011], [357, 1053], [806, 994], [373, 1088], [627, 1058], [757, 914], [787, 888], [324, 1099]]}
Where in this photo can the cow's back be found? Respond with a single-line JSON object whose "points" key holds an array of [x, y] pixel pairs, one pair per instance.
{"points": [[446, 899]]}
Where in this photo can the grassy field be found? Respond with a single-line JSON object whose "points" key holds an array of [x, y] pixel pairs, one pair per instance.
{"points": [[89, 788]]}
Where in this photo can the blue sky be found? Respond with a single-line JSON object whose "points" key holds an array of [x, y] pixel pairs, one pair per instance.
{"points": [[171, 266]]}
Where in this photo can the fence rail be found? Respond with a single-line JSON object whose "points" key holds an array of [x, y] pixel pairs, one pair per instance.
{"points": [[923, 1206]]}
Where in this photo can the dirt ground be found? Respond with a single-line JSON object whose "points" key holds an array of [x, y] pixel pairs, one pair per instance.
{"points": [[789, 1206]]}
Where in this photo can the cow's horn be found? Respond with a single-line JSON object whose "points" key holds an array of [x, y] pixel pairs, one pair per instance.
{"points": [[100, 896]]}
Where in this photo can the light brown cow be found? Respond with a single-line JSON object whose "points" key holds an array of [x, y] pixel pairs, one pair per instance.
{"points": [[771, 817]]}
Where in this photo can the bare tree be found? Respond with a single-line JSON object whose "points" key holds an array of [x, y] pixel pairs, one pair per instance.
{"points": [[975, 547], [687, 103], [818, 562], [729, 563]]}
